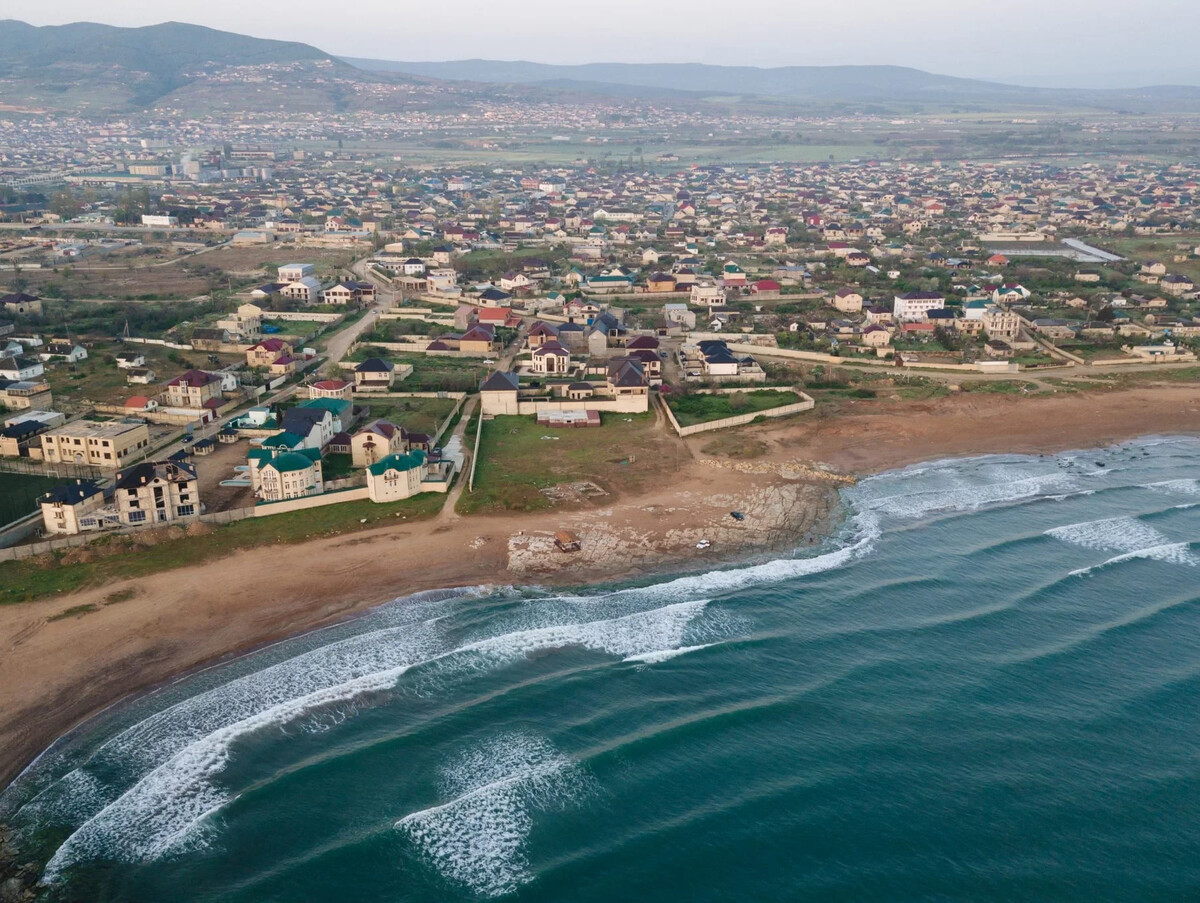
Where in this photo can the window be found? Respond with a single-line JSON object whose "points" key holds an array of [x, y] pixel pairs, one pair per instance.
{"points": [[187, 510], [137, 517]]}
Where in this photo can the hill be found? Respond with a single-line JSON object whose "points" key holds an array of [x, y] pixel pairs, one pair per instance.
{"points": [[799, 84], [101, 68]]}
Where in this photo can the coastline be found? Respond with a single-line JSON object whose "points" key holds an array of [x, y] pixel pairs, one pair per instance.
{"points": [[55, 674]]}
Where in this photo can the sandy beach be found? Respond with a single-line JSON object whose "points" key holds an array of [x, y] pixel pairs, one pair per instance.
{"points": [[55, 673]]}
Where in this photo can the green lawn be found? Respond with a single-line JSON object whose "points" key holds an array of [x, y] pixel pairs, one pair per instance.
{"points": [[417, 415], [47, 575], [692, 409], [515, 461], [442, 374], [19, 493]]}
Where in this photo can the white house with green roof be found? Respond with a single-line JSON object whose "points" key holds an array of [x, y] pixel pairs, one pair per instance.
{"points": [[396, 477], [290, 475]]}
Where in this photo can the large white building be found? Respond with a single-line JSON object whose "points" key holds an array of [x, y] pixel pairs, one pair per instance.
{"points": [[914, 307]]}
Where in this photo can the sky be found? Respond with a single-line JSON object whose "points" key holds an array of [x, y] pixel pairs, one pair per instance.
{"points": [[1057, 43]]}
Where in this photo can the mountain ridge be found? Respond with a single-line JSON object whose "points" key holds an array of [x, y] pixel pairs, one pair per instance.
{"points": [[801, 83]]}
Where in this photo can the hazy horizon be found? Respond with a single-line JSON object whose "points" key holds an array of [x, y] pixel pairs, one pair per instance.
{"points": [[934, 35]]}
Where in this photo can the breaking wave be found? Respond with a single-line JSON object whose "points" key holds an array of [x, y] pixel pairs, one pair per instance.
{"points": [[478, 837], [1173, 553], [165, 810]]}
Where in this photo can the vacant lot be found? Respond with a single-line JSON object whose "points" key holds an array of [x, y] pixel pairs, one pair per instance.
{"points": [[518, 459], [135, 281], [19, 492], [693, 409], [417, 415], [97, 380], [1162, 248], [258, 259]]}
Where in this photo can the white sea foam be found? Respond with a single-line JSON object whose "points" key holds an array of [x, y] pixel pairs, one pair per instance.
{"points": [[1178, 487], [479, 837], [662, 655], [958, 491], [1174, 553], [166, 807], [1114, 534]]}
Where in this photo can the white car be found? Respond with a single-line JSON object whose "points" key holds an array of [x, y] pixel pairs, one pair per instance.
{"points": [[703, 544]]}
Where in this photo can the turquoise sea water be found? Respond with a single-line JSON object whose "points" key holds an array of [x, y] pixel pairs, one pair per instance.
{"points": [[985, 689]]}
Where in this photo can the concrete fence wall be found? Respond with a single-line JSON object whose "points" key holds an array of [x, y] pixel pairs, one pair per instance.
{"points": [[311, 501], [302, 316], [437, 436], [163, 342], [621, 404], [14, 532], [806, 404]]}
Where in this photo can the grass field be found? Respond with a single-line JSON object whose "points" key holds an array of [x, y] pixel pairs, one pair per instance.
{"points": [[19, 492], [692, 409], [47, 575], [627, 452], [417, 415], [97, 379], [441, 374], [1163, 248]]}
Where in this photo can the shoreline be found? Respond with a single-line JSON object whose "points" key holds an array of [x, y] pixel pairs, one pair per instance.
{"points": [[57, 674]]}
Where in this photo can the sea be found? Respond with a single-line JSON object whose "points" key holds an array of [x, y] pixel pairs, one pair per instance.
{"points": [[985, 687]]}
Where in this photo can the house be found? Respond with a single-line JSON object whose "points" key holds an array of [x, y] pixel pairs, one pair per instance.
{"points": [[625, 377], [314, 425], [267, 291], [140, 376], [1176, 285], [479, 339], [289, 475], [193, 389], [913, 306], [1001, 324], [342, 293], [18, 368], [396, 476], [106, 444], [23, 395], [660, 282], [21, 303], [551, 359], [876, 336], [732, 275], [157, 492], [128, 360], [294, 272], [707, 295], [374, 375], [205, 338], [65, 507], [679, 314], [376, 441], [498, 394], [267, 352], [848, 301], [16, 436], [244, 324], [67, 351], [306, 290], [540, 333], [331, 388]]}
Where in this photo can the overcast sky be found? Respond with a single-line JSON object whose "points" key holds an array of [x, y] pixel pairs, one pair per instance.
{"points": [[1103, 43]]}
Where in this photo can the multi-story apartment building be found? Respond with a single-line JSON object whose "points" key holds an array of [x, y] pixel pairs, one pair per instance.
{"points": [[110, 444], [157, 492]]}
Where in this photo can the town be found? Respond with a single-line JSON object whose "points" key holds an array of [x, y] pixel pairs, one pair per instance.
{"points": [[245, 331]]}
